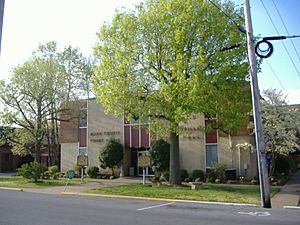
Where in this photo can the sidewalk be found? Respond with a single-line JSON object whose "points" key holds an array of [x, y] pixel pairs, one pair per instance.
{"points": [[289, 194]]}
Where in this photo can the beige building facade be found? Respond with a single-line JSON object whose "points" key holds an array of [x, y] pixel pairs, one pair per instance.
{"points": [[90, 129]]}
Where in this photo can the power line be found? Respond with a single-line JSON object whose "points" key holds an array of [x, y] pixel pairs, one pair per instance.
{"points": [[239, 27], [281, 42], [275, 75], [286, 28]]}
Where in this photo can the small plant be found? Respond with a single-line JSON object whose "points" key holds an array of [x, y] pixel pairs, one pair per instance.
{"points": [[219, 170], [198, 174], [184, 174], [164, 176], [217, 181], [187, 180], [53, 171], [92, 171], [32, 171], [254, 182], [198, 180], [77, 170], [111, 177], [242, 179]]}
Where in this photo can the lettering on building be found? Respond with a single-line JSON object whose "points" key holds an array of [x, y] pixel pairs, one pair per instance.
{"points": [[104, 136]]}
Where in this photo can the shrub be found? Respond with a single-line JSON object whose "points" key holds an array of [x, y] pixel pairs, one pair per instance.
{"points": [[219, 170], [285, 164], [53, 171], [187, 180], [198, 174], [217, 181], [184, 174], [254, 182], [77, 170], [112, 177], [164, 176], [32, 171], [92, 171], [160, 155], [111, 155], [211, 177]]}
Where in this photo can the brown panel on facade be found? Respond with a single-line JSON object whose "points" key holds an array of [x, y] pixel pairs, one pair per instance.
{"points": [[127, 136], [145, 137], [135, 137], [211, 137], [69, 121], [82, 137]]}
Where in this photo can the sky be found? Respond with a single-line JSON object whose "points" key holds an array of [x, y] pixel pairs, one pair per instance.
{"points": [[75, 22]]}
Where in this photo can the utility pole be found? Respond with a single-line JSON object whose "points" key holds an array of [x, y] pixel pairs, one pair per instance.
{"points": [[259, 136], [1, 19]]}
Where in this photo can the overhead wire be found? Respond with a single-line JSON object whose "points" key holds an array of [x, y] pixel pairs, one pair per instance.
{"points": [[271, 68], [295, 67], [285, 27]]}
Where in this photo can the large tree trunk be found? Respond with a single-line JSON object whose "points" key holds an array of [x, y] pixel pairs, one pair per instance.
{"points": [[174, 178]]}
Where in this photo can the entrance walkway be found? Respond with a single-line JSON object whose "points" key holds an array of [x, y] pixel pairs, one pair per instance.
{"points": [[289, 194]]}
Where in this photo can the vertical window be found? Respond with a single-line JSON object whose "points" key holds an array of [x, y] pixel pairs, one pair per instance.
{"points": [[83, 118], [211, 154], [211, 142], [82, 151], [82, 132]]}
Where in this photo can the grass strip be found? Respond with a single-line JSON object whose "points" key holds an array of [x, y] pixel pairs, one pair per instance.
{"points": [[20, 182], [211, 193]]}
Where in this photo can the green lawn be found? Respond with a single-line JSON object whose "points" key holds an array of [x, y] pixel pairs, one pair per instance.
{"points": [[19, 182], [212, 193]]}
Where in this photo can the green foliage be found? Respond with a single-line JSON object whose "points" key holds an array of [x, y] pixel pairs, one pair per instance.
{"points": [[219, 170], [54, 172], [281, 124], [34, 95], [77, 170], [164, 176], [184, 174], [93, 171], [285, 164], [111, 155], [32, 171], [163, 61], [160, 155], [198, 174]]}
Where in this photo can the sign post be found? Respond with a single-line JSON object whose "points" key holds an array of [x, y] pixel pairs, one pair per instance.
{"points": [[82, 161], [70, 175], [144, 161]]}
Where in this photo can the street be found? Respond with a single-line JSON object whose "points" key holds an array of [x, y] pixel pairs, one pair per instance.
{"points": [[24, 208]]}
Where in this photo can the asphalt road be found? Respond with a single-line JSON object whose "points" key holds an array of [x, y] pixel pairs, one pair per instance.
{"points": [[24, 208]]}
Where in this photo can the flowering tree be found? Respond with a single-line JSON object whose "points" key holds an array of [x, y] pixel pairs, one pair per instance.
{"points": [[281, 124]]}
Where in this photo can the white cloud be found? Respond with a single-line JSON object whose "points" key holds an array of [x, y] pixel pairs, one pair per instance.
{"points": [[293, 96]]}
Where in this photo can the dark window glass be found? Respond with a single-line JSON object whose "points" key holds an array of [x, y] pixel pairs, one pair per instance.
{"points": [[83, 118]]}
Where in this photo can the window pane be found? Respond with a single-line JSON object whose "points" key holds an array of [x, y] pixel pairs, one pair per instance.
{"points": [[83, 118], [82, 151], [211, 155]]}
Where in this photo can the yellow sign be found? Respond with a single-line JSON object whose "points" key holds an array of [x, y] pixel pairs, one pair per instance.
{"points": [[144, 161], [82, 160]]}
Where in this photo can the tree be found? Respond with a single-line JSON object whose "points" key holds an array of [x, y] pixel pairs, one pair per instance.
{"points": [[37, 92], [160, 155], [111, 155], [281, 124], [163, 61]]}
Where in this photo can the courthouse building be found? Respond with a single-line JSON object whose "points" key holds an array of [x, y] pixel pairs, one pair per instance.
{"points": [[88, 129]]}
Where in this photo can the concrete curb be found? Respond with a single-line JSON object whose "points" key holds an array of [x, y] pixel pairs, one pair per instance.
{"points": [[291, 207], [11, 189], [154, 199]]}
